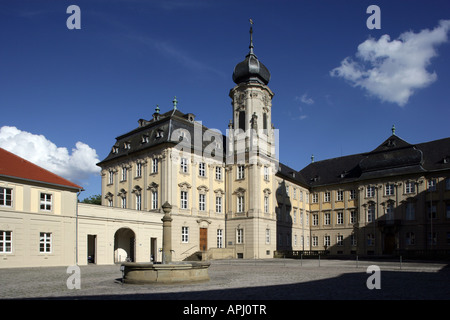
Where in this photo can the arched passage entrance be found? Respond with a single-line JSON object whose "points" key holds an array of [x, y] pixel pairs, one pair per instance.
{"points": [[124, 245]]}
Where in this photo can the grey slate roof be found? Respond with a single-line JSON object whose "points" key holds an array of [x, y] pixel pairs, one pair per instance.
{"points": [[393, 157], [162, 129]]}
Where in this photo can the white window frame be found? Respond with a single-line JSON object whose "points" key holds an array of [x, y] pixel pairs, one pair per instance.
{"points": [[201, 169], [219, 238], [4, 193], [202, 202], [267, 236], [327, 196], [218, 173], [183, 199], [6, 245], [138, 169], [266, 204], [46, 202], [184, 165], [45, 242], [240, 204], [218, 204], [240, 172], [239, 236], [389, 189], [155, 199], [184, 234], [327, 218], [339, 217], [315, 219], [370, 191], [138, 201], [340, 195], [410, 187], [111, 177], [155, 164], [124, 174], [327, 240]]}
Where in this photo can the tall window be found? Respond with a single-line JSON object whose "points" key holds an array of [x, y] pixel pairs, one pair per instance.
{"points": [[123, 202], [267, 236], [352, 216], [266, 204], [370, 192], [201, 169], [389, 189], [239, 236], [371, 213], [154, 199], [184, 200], [218, 204], [326, 197], [138, 169], [218, 173], [340, 218], [219, 238], [124, 173], [45, 242], [410, 187], [340, 240], [5, 241], [326, 218], [184, 234], [5, 197], [266, 173], [184, 165], [240, 172], [431, 184], [201, 202], [110, 177], [315, 241], [240, 204], [138, 202], [340, 195], [155, 165], [352, 194], [46, 202], [370, 239], [315, 219], [315, 198], [410, 238], [389, 211], [410, 211]]}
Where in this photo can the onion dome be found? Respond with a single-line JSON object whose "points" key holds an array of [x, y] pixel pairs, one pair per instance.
{"points": [[251, 69]]}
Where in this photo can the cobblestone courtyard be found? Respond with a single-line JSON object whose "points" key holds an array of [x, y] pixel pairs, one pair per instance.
{"points": [[276, 279]]}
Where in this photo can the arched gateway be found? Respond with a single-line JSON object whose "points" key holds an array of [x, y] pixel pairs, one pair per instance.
{"points": [[124, 245]]}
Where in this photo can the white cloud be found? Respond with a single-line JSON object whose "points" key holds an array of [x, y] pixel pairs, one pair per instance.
{"points": [[393, 70], [305, 99], [76, 167]]}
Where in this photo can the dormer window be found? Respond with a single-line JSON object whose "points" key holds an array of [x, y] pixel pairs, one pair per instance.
{"points": [[159, 133], [115, 149], [127, 145], [144, 138]]}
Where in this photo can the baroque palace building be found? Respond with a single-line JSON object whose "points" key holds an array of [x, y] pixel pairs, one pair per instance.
{"points": [[230, 196], [230, 192]]}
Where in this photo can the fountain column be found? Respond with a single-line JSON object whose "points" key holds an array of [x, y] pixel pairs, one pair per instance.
{"points": [[167, 233]]}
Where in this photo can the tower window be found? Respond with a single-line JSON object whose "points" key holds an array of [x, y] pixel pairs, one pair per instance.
{"points": [[242, 120]]}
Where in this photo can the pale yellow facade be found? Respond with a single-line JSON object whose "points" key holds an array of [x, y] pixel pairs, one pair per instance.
{"points": [[35, 235]]}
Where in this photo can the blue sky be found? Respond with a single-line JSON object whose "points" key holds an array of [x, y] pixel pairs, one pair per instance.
{"points": [[339, 86]]}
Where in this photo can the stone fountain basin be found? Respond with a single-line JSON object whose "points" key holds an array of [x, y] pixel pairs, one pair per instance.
{"points": [[174, 272]]}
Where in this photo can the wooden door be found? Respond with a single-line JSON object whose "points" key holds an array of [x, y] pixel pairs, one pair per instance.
{"points": [[203, 239]]}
